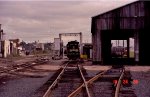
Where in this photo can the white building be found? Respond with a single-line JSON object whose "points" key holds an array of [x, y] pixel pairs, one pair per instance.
{"points": [[5, 48], [57, 42]]}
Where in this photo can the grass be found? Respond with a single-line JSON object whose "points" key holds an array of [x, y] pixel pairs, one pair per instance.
{"points": [[14, 57], [131, 54]]}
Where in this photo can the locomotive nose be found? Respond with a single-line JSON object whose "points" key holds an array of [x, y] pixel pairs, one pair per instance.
{"points": [[73, 50]]}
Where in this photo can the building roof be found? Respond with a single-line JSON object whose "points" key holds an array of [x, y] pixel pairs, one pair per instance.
{"points": [[117, 8]]}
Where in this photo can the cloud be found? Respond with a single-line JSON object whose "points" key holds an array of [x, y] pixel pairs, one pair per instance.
{"points": [[43, 20]]}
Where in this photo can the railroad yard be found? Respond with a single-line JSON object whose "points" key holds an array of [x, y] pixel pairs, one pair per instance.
{"points": [[74, 49], [33, 78]]}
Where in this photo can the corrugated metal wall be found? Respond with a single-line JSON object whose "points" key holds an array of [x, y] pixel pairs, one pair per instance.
{"points": [[124, 18]]}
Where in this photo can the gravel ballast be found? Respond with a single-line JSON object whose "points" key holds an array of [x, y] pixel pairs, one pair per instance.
{"points": [[22, 87]]}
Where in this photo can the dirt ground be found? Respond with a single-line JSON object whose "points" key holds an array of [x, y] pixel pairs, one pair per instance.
{"points": [[40, 73]]}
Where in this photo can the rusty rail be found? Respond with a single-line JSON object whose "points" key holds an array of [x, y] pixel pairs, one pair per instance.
{"points": [[77, 91], [119, 83], [48, 92], [85, 83], [21, 67]]}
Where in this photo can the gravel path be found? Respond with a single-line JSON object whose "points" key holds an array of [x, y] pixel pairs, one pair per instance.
{"points": [[23, 87], [142, 88]]}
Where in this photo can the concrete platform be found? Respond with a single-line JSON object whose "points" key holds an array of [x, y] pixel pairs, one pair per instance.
{"points": [[95, 67], [47, 67], [138, 68]]}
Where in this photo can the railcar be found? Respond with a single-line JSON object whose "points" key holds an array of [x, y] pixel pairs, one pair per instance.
{"points": [[73, 51], [118, 51]]}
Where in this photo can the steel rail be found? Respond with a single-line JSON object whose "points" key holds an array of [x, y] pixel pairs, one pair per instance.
{"points": [[47, 94], [21, 67], [9, 70], [78, 90], [85, 83], [119, 83]]}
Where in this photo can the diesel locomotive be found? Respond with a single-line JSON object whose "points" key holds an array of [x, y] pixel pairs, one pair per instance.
{"points": [[73, 51]]}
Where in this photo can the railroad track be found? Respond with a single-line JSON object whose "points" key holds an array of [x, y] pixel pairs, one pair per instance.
{"points": [[84, 89], [86, 84], [111, 75], [71, 73], [18, 67]]}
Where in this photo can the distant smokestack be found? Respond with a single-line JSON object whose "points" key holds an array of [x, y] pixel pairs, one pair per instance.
{"points": [[1, 33], [0, 26]]}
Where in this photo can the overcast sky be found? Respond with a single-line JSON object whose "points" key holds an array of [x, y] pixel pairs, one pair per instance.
{"points": [[44, 20]]}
